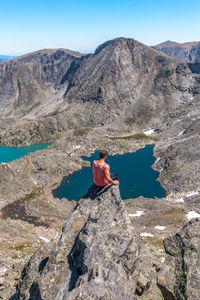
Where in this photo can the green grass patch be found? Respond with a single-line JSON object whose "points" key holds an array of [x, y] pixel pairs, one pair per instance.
{"points": [[19, 248], [158, 243], [81, 131], [34, 193], [137, 136]]}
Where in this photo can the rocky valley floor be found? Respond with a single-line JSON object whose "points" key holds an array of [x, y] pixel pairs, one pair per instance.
{"points": [[31, 217]]}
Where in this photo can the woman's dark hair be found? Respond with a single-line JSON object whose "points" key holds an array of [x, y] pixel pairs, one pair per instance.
{"points": [[102, 154]]}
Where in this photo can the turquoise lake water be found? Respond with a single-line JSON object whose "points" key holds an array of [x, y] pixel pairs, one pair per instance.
{"points": [[136, 176], [11, 153]]}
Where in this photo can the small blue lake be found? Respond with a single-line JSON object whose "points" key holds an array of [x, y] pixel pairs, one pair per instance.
{"points": [[11, 153], [136, 176]]}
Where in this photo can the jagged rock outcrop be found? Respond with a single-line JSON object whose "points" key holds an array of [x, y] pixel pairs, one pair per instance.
{"points": [[185, 52], [179, 277], [94, 258]]}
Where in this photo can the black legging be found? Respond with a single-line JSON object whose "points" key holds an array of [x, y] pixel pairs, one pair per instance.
{"points": [[94, 189], [114, 176]]}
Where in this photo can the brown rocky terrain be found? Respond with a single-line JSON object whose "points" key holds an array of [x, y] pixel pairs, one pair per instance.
{"points": [[110, 99], [185, 52]]}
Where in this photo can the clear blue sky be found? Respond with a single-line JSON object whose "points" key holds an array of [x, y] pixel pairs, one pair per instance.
{"points": [[27, 25]]}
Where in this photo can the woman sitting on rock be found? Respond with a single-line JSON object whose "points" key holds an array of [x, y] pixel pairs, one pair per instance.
{"points": [[101, 171]]}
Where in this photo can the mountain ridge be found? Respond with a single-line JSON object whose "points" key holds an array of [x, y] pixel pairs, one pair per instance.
{"points": [[171, 43], [123, 79], [182, 52]]}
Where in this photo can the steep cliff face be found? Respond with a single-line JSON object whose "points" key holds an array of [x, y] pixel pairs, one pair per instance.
{"points": [[186, 52], [124, 75], [123, 80], [179, 277], [28, 81], [94, 258]]}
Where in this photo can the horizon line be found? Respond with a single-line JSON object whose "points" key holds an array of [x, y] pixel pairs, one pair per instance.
{"points": [[84, 51]]}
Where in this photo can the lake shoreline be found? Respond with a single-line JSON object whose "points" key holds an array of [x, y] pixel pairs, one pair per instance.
{"points": [[70, 186], [9, 154]]}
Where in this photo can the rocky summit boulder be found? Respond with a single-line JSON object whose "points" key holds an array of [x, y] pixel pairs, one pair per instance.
{"points": [[179, 278], [94, 257]]}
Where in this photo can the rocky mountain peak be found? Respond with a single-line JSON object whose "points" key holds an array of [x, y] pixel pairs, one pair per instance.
{"points": [[167, 44], [65, 90], [114, 43], [182, 52], [129, 43]]}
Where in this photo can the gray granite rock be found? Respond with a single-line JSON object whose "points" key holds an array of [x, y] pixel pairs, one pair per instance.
{"points": [[94, 258], [179, 277]]}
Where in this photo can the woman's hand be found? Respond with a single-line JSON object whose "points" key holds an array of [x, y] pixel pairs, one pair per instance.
{"points": [[115, 182]]}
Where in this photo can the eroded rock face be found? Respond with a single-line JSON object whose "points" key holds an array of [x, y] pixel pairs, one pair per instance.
{"points": [[186, 52], [43, 95], [179, 278], [178, 150], [94, 258], [26, 81]]}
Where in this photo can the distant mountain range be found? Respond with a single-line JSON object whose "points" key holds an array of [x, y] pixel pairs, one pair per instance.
{"points": [[5, 57], [188, 52], [123, 81], [185, 52], [122, 75]]}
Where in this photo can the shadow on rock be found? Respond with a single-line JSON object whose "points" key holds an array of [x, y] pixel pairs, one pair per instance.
{"points": [[35, 292], [76, 262]]}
